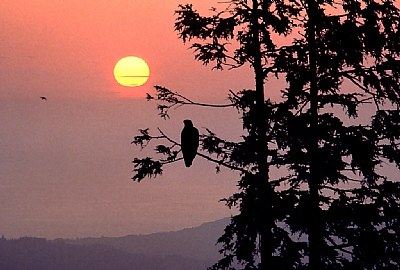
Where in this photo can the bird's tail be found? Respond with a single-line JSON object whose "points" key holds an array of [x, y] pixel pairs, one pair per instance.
{"points": [[188, 163]]}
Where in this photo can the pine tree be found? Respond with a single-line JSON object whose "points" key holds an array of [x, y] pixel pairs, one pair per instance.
{"points": [[338, 157], [341, 56]]}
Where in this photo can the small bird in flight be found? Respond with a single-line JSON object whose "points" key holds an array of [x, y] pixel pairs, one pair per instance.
{"points": [[43, 98], [189, 142]]}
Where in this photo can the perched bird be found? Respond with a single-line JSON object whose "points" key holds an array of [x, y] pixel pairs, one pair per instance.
{"points": [[189, 142], [43, 98]]}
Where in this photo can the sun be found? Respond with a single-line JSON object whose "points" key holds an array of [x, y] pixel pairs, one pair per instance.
{"points": [[131, 71]]}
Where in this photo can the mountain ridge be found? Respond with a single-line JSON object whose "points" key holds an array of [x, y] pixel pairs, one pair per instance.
{"points": [[193, 243], [186, 249]]}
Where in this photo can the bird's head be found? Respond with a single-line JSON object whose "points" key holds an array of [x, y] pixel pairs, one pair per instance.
{"points": [[188, 123]]}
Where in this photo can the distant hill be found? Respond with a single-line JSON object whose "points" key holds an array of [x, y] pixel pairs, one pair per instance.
{"points": [[194, 243], [188, 249]]}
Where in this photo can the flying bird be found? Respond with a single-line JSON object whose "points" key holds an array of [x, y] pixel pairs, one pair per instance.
{"points": [[43, 98], [189, 142]]}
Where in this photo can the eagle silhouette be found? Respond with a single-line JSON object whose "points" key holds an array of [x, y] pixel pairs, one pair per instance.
{"points": [[189, 142], [43, 98]]}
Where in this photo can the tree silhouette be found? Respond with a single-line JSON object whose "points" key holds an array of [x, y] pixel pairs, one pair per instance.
{"points": [[338, 58], [354, 45]]}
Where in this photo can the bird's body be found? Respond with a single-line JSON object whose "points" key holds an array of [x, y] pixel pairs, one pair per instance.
{"points": [[43, 98], [189, 142]]}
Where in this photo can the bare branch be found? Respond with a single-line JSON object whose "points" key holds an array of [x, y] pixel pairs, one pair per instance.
{"points": [[175, 100], [337, 189], [187, 101], [164, 162]]}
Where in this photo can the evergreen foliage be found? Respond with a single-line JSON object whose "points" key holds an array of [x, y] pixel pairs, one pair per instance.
{"points": [[335, 206]]}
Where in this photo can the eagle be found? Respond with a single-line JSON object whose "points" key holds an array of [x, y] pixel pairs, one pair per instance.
{"points": [[189, 142]]}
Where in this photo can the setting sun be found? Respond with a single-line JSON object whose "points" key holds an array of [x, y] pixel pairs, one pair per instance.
{"points": [[131, 71]]}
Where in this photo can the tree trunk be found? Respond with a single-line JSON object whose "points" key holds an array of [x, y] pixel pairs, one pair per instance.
{"points": [[265, 219], [315, 235]]}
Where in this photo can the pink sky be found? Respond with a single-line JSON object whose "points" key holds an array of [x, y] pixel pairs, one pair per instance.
{"points": [[65, 164]]}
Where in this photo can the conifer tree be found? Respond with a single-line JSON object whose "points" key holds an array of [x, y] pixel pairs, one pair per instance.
{"points": [[340, 58]]}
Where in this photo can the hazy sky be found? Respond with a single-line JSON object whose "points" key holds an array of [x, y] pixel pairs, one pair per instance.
{"points": [[65, 163]]}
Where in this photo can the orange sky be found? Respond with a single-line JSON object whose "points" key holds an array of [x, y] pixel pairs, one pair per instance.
{"points": [[65, 164], [76, 43]]}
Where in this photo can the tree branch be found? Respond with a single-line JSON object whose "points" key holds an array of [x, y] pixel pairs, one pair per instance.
{"points": [[219, 162], [337, 189], [176, 100], [341, 247], [190, 102]]}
